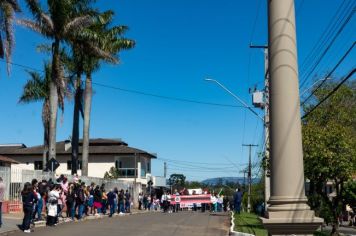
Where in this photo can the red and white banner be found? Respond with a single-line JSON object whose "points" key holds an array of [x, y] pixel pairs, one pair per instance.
{"points": [[191, 199]]}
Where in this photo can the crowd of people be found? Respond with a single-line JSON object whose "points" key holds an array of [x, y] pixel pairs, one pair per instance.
{"points": [[51, 200], [70, 200], [167, 202]]}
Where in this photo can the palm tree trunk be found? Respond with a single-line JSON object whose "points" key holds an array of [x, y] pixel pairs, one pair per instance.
{"points": [[45, 121], [87, 108], [75, 130], [45, 146], [53, 100]]}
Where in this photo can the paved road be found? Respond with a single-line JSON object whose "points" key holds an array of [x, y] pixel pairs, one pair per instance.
{"points": [[148, 224]]}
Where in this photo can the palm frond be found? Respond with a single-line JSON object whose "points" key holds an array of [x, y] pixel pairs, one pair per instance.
{"points": [[35, 8], [14, 4], [46, 20], [2, 52], [119, 44], [105, 17], [117, 30], [44, 48], [35, 27], [34, 89], [102, 54], [78, 23]]}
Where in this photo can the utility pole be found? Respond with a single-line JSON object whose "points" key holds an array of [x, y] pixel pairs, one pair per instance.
{"points": [[165, 170], [266, 103], [288, 212], [244, 185], [249, 176]]}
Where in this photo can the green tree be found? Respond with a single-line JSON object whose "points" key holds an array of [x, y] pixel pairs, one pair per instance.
{"points": [[100, 43], [7, 15], [177, 180], [37, 89], [349, 193], [58, 23], [329, 141], [113, 173]]}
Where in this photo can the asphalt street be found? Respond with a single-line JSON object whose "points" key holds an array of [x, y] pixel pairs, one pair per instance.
{"points": [[147, 224]]}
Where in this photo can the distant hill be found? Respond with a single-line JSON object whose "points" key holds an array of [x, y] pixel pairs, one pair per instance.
{"points": [[224, 180]]}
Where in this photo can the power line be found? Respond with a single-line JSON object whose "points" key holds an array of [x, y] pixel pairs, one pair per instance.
{"points": [[141, 92], [330, 73], [191, 162], [320, 42], [167, 97], [200, 167], [331, 93], [319, 59], [255, 21], [20, 65], [207, 171]]}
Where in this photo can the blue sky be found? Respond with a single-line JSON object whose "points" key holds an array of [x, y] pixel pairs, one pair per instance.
{"points": [[179, 43]]}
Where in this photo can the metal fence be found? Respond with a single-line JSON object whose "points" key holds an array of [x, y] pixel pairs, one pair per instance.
{"points": [[15, 178]]}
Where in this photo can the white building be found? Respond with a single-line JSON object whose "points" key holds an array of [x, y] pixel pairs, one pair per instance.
{"points": [[133, 164]]}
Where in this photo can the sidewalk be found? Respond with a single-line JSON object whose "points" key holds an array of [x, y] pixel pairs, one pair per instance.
{"points": [[10, 222]]}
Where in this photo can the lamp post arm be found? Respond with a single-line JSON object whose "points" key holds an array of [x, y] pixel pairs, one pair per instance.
{"points": [[307, 89]]}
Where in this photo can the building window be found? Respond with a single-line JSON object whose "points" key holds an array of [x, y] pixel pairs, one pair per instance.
{"points": [[148, 168], [69, 165], [2, 163], [38, 165]]}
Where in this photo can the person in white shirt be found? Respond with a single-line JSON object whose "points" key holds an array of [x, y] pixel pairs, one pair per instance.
{"points": [[52, 214], [164, 200], [214, 202]]}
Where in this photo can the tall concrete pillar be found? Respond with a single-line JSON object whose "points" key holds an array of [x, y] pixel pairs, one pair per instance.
{"points": [[288, 212]]}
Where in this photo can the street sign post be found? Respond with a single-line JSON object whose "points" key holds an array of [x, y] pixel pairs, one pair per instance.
{"points": [[52, 165]]}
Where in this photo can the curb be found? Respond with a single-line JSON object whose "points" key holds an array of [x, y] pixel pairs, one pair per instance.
{"points": [[9, 232], [236, 233]]}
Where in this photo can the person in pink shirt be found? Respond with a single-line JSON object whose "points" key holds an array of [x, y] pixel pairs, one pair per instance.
{"points": [[64, 186], [60, 203]]}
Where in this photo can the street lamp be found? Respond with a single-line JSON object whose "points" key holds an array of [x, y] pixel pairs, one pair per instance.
{"points": [[235, 96]]}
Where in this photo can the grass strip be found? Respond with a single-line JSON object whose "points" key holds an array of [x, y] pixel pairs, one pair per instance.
{"points": [[249, 223]]}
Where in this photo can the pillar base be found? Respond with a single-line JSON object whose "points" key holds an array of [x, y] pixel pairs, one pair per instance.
{"points": [[290, 216]]}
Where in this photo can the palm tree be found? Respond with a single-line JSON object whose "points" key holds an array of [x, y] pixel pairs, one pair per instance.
{"points": [[37, 89], [7, 15], [104, 45], [60, 23], [75, 68]]}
